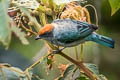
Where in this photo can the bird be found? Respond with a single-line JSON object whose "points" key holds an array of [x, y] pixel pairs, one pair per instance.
{"points": [[70, 33]]}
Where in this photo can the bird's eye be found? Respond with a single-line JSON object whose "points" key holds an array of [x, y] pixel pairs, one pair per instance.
{"points": [[46, 34]]}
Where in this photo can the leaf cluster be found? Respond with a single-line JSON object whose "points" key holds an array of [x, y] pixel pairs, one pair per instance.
{"points": [[27, 19]]}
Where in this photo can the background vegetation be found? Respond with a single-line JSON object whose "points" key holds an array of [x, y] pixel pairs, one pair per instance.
{"points": [[22, 56]]}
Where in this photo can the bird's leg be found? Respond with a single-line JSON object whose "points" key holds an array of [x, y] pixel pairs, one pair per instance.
{"points": [[59, 50]]}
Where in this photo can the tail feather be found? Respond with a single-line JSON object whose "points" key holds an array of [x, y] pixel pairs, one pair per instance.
{"points": [[103, 40]]}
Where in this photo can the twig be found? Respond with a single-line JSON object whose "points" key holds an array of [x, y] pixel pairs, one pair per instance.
{"points": [[96, 15], [36, 76], [81, 52], [80, 66], [29, 30], [23, 73], [14, 70], [76, 52], [28, 76], [37, 62]]}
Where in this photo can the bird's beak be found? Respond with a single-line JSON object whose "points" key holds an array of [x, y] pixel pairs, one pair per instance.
{"points": [[38, 37]]}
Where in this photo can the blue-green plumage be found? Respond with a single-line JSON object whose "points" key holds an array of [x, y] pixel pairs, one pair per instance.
{"points": [[103, 40], [72, 32], [69, 33]]}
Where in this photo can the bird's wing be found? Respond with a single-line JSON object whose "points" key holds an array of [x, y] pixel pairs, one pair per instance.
{"points": [[85, 29], [68, 37], [74, 30], [71, 34]]}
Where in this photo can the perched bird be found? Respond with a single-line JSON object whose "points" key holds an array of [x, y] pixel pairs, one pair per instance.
{"points": [[69, 33]]}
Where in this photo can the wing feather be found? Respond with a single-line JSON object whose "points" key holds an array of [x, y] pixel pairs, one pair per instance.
{"points": [[74, 30]]}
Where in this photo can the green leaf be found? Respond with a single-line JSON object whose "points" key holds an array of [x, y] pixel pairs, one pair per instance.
{"points": [[67, 75], [76, 73], [82, 77], [79, 76], [42, 18], [51, 4], [115, 5], [32, 19], [93, 68], [49, 61], [10, 73], [67, 71], [102, 77], [13, 73], [61, 7], [61, 78], [21, 35], [41, 8], [45, 2], [5, 34], [31, 4]]}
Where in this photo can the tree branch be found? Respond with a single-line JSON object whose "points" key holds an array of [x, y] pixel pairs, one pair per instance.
{"points": [[80, 66]]}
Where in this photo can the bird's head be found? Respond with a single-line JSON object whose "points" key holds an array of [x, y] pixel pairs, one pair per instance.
{"points": [[45, 32]]}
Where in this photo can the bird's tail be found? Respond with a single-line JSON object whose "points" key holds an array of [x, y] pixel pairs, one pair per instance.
{"points": [[106, 41]]}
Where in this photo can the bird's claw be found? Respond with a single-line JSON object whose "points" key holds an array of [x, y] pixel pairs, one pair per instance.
{"points": [[56, 51]]}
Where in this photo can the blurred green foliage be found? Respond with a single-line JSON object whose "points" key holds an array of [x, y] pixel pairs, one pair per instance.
{"points": [[115, 5], [5, 34], [108, 59]]}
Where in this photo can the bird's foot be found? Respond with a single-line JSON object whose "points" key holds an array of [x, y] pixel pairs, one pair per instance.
{"points": [[58, 51]]}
